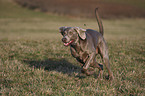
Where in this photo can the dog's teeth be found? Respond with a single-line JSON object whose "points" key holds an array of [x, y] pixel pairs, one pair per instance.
{"points": [[67, 44]]}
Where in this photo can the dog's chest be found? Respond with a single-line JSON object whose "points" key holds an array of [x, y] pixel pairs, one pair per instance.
{"points": [[79, 54], [83, 56]]}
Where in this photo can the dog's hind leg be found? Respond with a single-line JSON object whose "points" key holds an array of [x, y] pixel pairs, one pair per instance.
{"points": [[104, 54]]}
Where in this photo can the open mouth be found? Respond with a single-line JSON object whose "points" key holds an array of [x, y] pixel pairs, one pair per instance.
{"points": [[67, 44]]}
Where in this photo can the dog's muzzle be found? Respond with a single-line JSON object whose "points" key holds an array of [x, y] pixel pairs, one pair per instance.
{"points": [[67, 43]]}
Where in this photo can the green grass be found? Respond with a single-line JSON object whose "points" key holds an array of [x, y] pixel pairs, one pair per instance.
{"points": [[34, 61]]}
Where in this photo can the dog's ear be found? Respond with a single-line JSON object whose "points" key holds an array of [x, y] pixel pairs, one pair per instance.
{"points": [[81, 32], [61, 29]]}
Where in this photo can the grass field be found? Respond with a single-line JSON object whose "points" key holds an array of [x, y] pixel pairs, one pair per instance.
{"points": [[34, 61]]}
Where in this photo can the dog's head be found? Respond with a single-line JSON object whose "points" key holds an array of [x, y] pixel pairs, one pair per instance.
{"points": [[72, 34]]}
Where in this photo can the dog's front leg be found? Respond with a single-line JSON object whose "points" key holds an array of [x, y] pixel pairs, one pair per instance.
{"points": [[88, 62]]}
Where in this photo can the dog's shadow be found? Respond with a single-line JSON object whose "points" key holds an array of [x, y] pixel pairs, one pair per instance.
{"points": [[61, 65]]}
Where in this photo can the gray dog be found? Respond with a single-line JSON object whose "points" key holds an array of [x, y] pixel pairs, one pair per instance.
{"points": [[85, 44]]}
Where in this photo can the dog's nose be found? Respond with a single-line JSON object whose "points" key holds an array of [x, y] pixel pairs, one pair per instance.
{"points": [[64, 39]]}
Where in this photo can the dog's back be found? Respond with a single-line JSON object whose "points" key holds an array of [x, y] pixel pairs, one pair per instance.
{"points": [[96, 36]]}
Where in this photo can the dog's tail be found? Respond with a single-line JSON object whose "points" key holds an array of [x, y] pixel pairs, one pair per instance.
{"points": [[101, 30]]}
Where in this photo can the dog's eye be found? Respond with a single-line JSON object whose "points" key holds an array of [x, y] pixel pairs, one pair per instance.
{"points": [[70, 33]]}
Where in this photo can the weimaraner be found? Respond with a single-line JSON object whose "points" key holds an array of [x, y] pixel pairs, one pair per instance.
{"points": [[85, 44]]}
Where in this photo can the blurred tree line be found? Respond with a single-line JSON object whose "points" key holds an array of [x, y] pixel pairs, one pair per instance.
{"points": [[85, 8]]}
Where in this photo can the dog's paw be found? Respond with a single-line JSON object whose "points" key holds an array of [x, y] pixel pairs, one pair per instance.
{"points": [[100, 76], [111, 78]]}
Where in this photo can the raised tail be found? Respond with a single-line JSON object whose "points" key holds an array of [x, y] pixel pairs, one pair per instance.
{"points": [[101, 30]]}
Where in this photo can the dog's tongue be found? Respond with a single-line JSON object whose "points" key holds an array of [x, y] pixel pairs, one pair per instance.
{"points": [[67, 44]]}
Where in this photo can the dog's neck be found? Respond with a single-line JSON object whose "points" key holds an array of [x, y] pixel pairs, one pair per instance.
{"points": [[77, 40], [77, 45]]}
